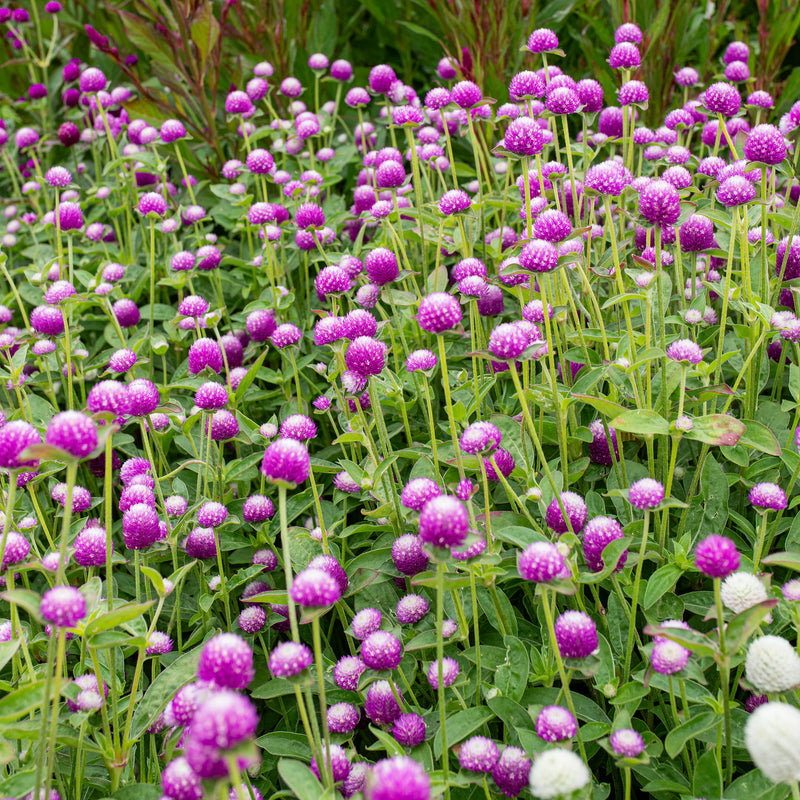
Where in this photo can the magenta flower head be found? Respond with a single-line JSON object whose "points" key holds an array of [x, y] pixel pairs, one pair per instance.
{"points": [[443, 522], [15, 437], [140, 527], [624, 55], [203, 353], [450, 670], [289, 659], [381, 650], [480, 438], [507, 341], [539, 255], [523, 137], [696, 234], [70, 216], [152, 204], [58, 176], [576, 511], [736, 191], [645, 493], [418, 491], [409, 729], [659, 203], [722, 98], [686, 351], [381, 77], [439, 312], [466, 94], [286, 461], [408, 556], [542, 40], [411, 609], [576, 635], [421, 360], [628, 32], [765, 143], [716, 556], [627, 743], [768, 497], [669, 657], [47, 320], [541, 562], [143, 397], [74, 432], [366, 356], [555, 724], [599, 532], [63, 606], [397, 778], [478, 754], [111, 396], [224, 720], [600, 447], [226, 661], [92, 80], [315, 588], [381, 265], [511, 772], [454, 201]]}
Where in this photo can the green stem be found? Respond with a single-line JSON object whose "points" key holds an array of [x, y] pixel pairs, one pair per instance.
{"points": [[287, 562], [440, 656], [635, 599]]}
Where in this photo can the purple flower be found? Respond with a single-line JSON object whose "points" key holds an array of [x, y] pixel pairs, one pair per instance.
{"points": [[90, 547], [381, 650], [226, 661], [478, 754], [443, 522], [409, 729], [285, 335], [70, 216], [152, 203], [438, 312], [555, 724], [47, 320], [523, 137], [480, 437], [381, 77], [768, 496], [627, 743], [180, 782], [74, 432], [466, 94], [722, 98], [507, 341], [669, 657], [624, 55], [224, 720], [599, 448], [252, 619], [539, 256], [140, 527], [454, 201], [542, 40], [511, 771], [562, 100], [339, 765], [299, 427], [411, 609], [576, 511], [685, 351], [397, 778], [541, 562], [380, 705], [659, 203], [576, 635], [408, 556], [421, 360], [735, 191], [205, 353], [365, 622], [92, 80], [63, 606], [381, 266], [599, 532], [286, 460], [343, 718], [716, 556], [696, 234], [15, 437], [645, 493], [366, 356], [315, 588], [289, 659]]}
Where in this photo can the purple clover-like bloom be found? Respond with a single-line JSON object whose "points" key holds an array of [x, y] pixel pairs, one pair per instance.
{"points": [[685, 351], [381, 706], [480, 437], [607, 178], [63, 606], [381, 650], [523, 137], [696, 234], [669, 657], [140, 527], [443, 522], [408, 556], [365, 622], [511, 771], [576, 634], [286, 460], [562, 100], [454, 201], [766, 144], [600, 448], [421, 360], [632, 92], [143, 396], [450, 670], [539, 255], [507, 341], [224, 720], [289, 659], [409, 729], [366, 356], [315, 588], [659, 203], [599, 532], [645, 493], [90, 547], [768, 497], [397, 778], [624, 55], [478, 754], [541, 562], [15, 437], [716, 556], [542, 40], [74, 432], [627, 743], [736, 191], [438, 312], [226, 661], [299, 427], [723, 98], [576, 511], [411, 609], [555, 724]]}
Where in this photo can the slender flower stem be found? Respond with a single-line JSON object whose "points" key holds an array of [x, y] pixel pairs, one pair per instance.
{"points": [[635, 599], [440, 657], [724, 683], [287, 562], [324, 765]]}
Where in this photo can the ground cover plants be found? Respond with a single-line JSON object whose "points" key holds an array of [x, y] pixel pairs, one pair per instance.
{"points": [[397, 441]]}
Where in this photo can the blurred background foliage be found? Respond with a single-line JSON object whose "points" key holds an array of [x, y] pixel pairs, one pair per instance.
{"points": [[192, 52]]}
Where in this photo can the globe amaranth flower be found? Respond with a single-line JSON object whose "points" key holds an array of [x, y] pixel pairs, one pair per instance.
{"points": [[478, 754], [716, 556], [600, 447], [454, 201], [576, 634], [314, 588], [722, 98], [669, 657], [770, 735], [736, 191], [408, 556], [624, 55], [541, 562], [772, 665], [397, 778], [627, 743], [575, 509], [742, 590], [409, 729], [72, 431], [226, 660], [286, 460], [645, 493], [450, 670], [555, 724], [15, 437], [381, 706], [289, 659], [557, 773], [421, 360], [224, 720], [507, 341], [511, 771], [411, 609], [598, 533], [63, 606], [659, 203], [336, 760], [523, 137], [443, 522], [765, 143], [539, 255], [768, 497], [542, 40], [366, 356], [438, 312], [381, 650], [685, 351]]}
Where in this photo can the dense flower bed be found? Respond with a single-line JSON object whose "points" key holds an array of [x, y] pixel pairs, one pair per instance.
{"points": [[434, 445]]}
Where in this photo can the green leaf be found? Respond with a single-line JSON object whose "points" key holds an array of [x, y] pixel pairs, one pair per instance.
{"points": [[25, 598], [707, 779], [460, 725], [743, 624], [786, 559], [642, 422], [285, 743], [386, 742], [117, 616], [19, 784], [659, 583], [162, 689], [7, 650], [251, 374], [612, 553], [716, 429], [511, 677], [514, 716], [137, 791], [155, 578], [205, 31], [678, 737], [760, 437], [606, 407], [300, 779], [692, 640], [22, 701]]}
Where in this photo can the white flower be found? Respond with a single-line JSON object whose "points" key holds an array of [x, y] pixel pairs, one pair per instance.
{"points": [[772, 665], [742, 590], [771, 738], [558, 772]]}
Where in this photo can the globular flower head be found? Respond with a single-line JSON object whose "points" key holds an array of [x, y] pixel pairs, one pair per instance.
{"points": [[716, 556], [600, 446], [542, 40], [466, 94], [541, 562], [765, 143], [252, 619], [408, 556], [63, 606], [15, 437], [289, 659], [347, 671], [92, 80], [645, 493], [286, 460], [47, 320], [576, 634], [299, 427], [143, 396], [211, 396], [736, 191], [480, 438], [511, 771], [421, 360], [454, 201], [478, 754], [696, 234], [450, 670], [552, 226], [443, 522], [226, 661], [624, 55], [365, 622], [539, 255], [90, 547], [507, 341], [140, 527], [599, 532], [411, 609], [224, 720], [397, 778], [633, 92], [575, 509], [409, 729], [523, 137], [180, 781], [381, 77], [772, 665], [70, 216], [381, 650], [366, 356], [339, 765], [562, 100], [315, 588], [627, 743], [558, 773], [722, 98], [380, 705], [343, 718], [205, 353], [768, 497], [74, 432], [555, 724], [742, 590], [438, 312], [152, 204], [659, 203], [770, 735], [685, 351]]}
